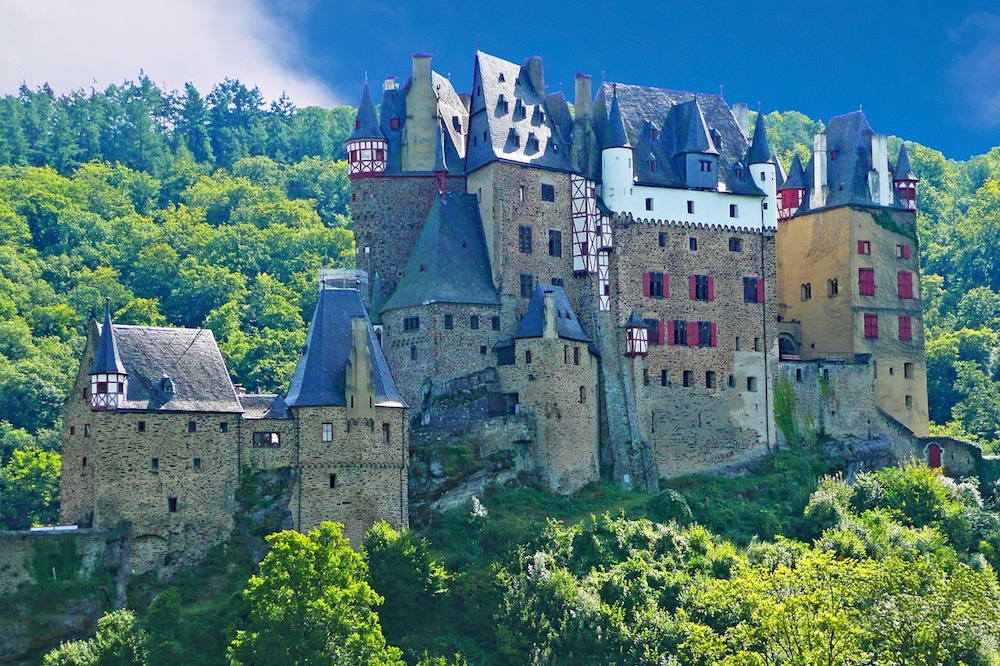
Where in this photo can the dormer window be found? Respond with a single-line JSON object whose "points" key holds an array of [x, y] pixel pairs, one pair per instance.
{"points": [[167, 385], [502, 106], [716, 138], [532, 142], [519, 111], [652, 165], [654, 134], [357, 124], [833, 154], [456, 122], [514, 138], [501, 78], [394, 123]]}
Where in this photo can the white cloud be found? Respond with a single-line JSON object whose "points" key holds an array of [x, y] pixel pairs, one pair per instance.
{"points": [[72, 43]]}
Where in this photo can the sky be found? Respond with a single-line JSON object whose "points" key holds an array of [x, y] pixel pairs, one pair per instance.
{"points": [[927, 71]]}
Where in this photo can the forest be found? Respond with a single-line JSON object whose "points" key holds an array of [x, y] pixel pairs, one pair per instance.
{"points": [[217, 209]]}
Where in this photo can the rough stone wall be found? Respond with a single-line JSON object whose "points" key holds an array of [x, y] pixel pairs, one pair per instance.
{"points": [[389, 212], [564, 400], [837, 399], [267, 457], [370, 481], [504, 211], [442, 354], [23, 554], [697, 426]]}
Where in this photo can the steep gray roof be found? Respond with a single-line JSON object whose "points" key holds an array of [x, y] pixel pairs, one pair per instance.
{"points": [[615, 135], [739, 180], [264, 406], [366, 125], [106, 358], [567, 323], [509, 120], [562, 118], [635, 321], [449, 262], [644, 109], [320, 376], [394, 108], [188, 356], [779, 171], [796, 175], [903, 171], [759, 151]]}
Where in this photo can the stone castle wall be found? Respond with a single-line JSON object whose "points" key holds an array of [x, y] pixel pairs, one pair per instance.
{"points": [[24, 556], [837, 399]]}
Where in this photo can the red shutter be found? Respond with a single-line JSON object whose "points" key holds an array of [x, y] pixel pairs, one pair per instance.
{"points": [[662, 340], [645, 284], [666, 286], [715, 335], [692, 334], [692, 291], [711, 288], [861, 247], [760, 290], [906, 252], [670, 333]]}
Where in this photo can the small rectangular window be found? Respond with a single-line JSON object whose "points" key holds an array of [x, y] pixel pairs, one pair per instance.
{"points": [[649, 203], [735, 244], [141, 426], [449, 322], [734, 210], [84, 462], [864, 247], [555, 243], [909, 402], [333, 480], [266, 439], [752, 384], [663, 377], [871, 326], [690, 207], [756, 344], [576, 356], [693, 243], [72, 430], [548, 192], [394, 123], [386, 433], [731, 382], [739, 343], [413, 352], [411, 324], [223, 426], [524, 239], [527, 356], [750, 289], [663, 239], [327, 432], [474, 322], [192, 426], [196, 463], [86, 430], [527, 285], [154, 465], [482, 350], [172, 504], [908, 370], [495, 323], [688, 378], [905, 328], [710, 379], [798, 374]]}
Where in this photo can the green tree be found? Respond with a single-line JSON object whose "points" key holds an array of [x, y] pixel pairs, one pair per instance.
{"points": [[29, 488], [119, 642], [311, 604]]}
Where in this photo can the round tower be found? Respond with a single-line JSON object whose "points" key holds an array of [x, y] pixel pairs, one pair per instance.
{"points": [[763, 171], [108, 378], [905, 181], [367, 146], [792, 191], [616, 159]]}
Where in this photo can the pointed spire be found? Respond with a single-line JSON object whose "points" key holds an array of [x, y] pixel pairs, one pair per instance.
{"points": [[796, 176], [614, 133], [696, 137], [759, 151], [366, 120], [106, 358], [903, 170]]}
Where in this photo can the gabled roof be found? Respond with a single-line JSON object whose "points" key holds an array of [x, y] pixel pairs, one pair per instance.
{"points": [[320, 376], [635, 321], [567, 323], [366, 124], [796, 175], [759, 151], [615, 135], [106, 358], [903, 170], [492, 122], [264, 406], [188, 356], [449, 262], [691, 130]]}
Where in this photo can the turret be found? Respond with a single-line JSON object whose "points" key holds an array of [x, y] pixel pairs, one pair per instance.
{"points": [[636, 336], [696, 148], [366, 147], [878, 178], [820, 186], [108, 378], [792, 191], [905, 181], [763, 171], [616, 157]]}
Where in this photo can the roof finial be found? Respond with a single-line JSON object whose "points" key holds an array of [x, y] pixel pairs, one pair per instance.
{"points": [[759, 106], [722, 87]]}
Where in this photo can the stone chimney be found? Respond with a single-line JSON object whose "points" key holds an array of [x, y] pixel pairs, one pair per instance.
{"points": [[422, 67], [533, 65], [583, 99], [360, 380], [817, 198], [742, 113], [420, 134], [879, 182], [551, 331], [391, 83]]}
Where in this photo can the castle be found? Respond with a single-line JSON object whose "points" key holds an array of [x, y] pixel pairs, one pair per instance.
{"points": [[634, 277]]}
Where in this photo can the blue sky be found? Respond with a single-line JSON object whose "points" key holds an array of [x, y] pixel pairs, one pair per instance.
{"points": [[926, 71]]}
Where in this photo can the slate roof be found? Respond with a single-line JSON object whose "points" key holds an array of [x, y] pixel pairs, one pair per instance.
{"points": [[188, 356], [759, 151], [449, 262], [494, 125], [643, 108], [739, 180], [562, 118], [779, 171], [567, 323], [320, 376], [106, 358], [796, 176], [635, 321], [394, 106], [264, 406], [369, 123], [903, 171], [615, 135]]}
